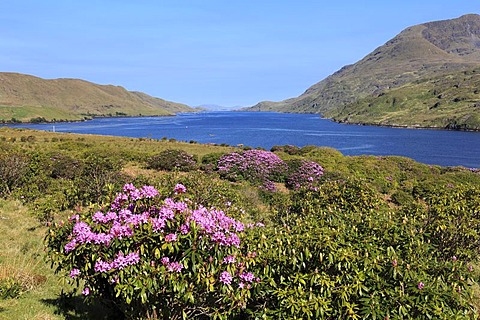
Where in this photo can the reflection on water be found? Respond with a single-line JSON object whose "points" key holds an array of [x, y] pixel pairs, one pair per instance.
{"points": [[260, 129]]}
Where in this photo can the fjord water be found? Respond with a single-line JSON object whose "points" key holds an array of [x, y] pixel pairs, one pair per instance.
{"points": [[265, 129]]}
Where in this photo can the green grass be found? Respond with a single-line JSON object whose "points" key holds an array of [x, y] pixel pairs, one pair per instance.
{"points": [[26, 113], [22, 259]]}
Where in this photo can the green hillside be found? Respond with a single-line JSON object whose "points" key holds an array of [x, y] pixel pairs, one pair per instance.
{"points": [[451, 102], [24, 97]]}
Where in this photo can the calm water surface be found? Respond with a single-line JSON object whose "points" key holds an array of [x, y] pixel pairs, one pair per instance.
{"points": [[259, 129]]}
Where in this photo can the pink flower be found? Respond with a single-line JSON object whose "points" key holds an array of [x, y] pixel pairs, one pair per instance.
{"points": [[229, 259], [226, 277], [247, 277], [172, 237], [454, 258], [86, 291], [174, 267], [74, 273], [185, 228], [102, 266], [70, 246], [180, 188], [394, 263], [420, 285], [148, 192], [165, 260]]}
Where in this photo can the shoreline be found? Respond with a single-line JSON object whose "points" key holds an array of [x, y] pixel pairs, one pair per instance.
{"points": [[401, 126]]}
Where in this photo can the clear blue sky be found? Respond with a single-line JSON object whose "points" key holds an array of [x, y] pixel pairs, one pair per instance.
{"points": [[230, 53]]}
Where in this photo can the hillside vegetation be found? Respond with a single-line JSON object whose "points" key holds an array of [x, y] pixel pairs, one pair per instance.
{"points": [[451, 101], [163, 229], [24, 97], [418, 54]]}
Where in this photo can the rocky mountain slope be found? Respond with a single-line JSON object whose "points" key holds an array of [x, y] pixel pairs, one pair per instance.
{"points": [[24, 97], [418, 53]]}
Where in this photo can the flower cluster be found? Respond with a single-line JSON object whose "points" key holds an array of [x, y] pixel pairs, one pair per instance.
{"points": [[218, 226], [120, 262], [303, 173], [257, 166]]}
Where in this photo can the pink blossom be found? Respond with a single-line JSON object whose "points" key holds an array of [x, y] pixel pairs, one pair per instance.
{"points": [[180, 188], [174, 267], [420, 285], [247, 277], [102, 266], [157, 224], [148, 192], [185, 228], [229, 259], [74, 273], [122, 261], [70, 246], [86, 291], [172, 237], [226, 277]]}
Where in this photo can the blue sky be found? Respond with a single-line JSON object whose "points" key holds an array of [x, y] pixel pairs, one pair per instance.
{"points": [[230, 53]]}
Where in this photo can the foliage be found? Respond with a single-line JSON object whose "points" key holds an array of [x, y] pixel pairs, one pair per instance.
{"points": [[340, 253], [14, 169], [172, 159], [452, 217], [303, 173], [161, 256]]}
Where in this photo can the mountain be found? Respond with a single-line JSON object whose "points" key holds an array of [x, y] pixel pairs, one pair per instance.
{"points": [[216, 107], [24, 97], [418, 54]]}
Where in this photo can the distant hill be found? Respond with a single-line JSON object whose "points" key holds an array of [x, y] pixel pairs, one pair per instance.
{"points": [[215, 107], [419, 54], [24, 97]]}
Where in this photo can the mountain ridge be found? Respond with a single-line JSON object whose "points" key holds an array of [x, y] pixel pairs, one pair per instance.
{"points": [[422, 51], [24, 97]]}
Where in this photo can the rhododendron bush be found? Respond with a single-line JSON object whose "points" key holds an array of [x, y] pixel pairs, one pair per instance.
{"points": [[157, 256], [257, 166]]}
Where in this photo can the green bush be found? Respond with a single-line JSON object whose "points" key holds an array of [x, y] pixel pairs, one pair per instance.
{"points": [[171, 159], [14, 171], [340, 252]]}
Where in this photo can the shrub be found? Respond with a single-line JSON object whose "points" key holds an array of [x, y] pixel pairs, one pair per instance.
{"points": [[303, 173], [14, 171], [97, 175], [64, 166], [341, 254], [157, 256], [289, 149], [257, 166], [172, 159]]}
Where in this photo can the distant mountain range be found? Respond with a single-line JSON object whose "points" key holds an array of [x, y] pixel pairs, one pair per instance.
{"points": [[26, 98], [426, 76], [215, 107]]}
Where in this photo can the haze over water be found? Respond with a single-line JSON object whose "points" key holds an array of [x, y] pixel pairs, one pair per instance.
{"points": [[262, 129]]}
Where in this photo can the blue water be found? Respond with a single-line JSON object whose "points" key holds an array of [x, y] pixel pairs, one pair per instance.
{"points": [[262, 129]]}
